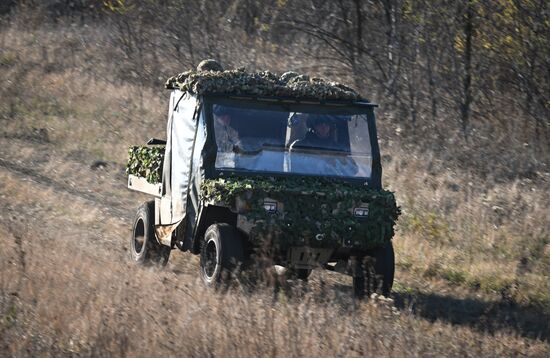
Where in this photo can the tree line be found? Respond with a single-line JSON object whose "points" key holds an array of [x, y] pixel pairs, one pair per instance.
{"points": [[471, 63]]}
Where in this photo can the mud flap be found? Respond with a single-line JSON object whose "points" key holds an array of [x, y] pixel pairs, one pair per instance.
{"points": [[305, 257], [164, 233]]}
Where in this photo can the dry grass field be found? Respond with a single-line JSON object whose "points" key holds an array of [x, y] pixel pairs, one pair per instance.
{"points": [[472, 250]]}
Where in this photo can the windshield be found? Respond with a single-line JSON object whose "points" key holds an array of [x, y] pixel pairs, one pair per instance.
{"points": [[302, 140]]}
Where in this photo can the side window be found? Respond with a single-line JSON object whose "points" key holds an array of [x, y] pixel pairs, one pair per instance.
{"points": [[201, 137], [359, 137]]}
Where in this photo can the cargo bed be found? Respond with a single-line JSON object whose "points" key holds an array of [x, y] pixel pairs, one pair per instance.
{"points": [[141, 184]]}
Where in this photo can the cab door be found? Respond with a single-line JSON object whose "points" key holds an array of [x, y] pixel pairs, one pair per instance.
{"points": [[177, 162]]}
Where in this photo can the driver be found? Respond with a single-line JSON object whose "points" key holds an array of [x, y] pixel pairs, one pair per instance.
{"points": [[320, 133], [226, 136]]}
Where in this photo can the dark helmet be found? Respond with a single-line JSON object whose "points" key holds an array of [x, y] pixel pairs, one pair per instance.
{"points": [[209, 65], [315, 119], [220, 110]]}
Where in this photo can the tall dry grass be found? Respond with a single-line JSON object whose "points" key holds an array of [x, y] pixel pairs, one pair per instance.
{"points": [[472, 248], [68, 295], [471, 231]]}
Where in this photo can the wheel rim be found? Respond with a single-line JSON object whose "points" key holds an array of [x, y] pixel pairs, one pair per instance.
{"points": [[210, 259], [139, 237]]}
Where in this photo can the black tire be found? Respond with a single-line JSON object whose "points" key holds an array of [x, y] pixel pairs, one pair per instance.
{"points": [[380, 269], [222, 254], [144, 247], [377, 274]]}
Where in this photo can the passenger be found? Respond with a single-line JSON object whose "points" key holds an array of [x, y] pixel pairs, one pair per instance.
{"points": [[320, 133], [226, 136]]}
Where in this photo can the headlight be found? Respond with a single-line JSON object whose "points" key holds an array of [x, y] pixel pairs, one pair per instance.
{"points": [[361, 212], [270, 206]]}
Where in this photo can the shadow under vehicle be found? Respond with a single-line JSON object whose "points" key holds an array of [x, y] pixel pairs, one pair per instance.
{"points": [[239, 180]]}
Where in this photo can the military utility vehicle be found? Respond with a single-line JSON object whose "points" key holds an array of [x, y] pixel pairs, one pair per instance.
{"points": [[253, 163]]}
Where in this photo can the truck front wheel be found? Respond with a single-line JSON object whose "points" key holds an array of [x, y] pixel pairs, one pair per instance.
{"points": [[382, 270], [221, 255], [377, 272], [144, 247]]}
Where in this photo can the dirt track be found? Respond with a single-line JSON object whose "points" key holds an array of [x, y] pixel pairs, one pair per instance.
{"points": [[26, 173]]}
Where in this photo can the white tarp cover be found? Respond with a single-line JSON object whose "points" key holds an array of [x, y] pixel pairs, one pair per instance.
{"points": [[180, 134]]}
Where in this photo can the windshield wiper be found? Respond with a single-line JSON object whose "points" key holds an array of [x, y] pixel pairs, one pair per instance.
{"points": [[320, 150], [239, 150]]}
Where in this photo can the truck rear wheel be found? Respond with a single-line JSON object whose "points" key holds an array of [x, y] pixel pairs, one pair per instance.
{"points": [[222, 254], [144, 247], [378, 273]]}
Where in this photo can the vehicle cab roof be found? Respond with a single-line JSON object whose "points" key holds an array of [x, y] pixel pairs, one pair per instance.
{"points": [[294, 100], [266, 86]]}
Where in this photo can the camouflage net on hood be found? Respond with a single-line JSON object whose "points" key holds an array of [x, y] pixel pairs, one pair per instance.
{"points": [[317, 212], [146, 162], [265, 83]]}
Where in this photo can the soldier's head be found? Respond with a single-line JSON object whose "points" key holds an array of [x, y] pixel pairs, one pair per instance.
{"points": [[221, 114], [320, 124], [209, 65]]}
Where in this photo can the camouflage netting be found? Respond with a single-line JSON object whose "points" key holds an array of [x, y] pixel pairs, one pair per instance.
{"points": [[265, 83], [146, 162], [311, 206]]}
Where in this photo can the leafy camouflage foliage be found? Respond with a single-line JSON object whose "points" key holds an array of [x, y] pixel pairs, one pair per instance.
{"points": [[146, 162], [265, 83], [315, 211]]}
